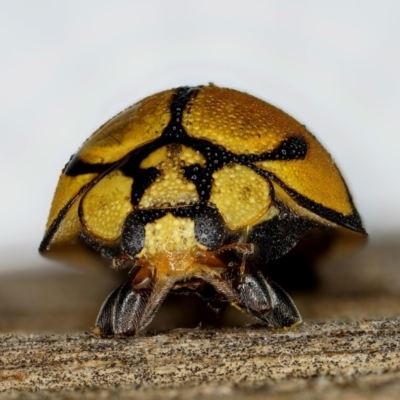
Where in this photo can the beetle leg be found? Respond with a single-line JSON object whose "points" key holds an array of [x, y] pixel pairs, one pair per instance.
{"points": [[131, 307], [260, 297], [266, 300]]}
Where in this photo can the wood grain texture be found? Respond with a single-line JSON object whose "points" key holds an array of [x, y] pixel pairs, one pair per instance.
{"points": [[183, 357]]}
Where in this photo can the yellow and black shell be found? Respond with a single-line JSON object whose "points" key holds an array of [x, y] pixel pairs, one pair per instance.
{"points": [[188, 174]]}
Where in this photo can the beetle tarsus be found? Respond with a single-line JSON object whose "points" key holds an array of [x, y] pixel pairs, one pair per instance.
{"points": [[266, 301], [104, 325], [284, 313], [128, 310], [255, 294]]}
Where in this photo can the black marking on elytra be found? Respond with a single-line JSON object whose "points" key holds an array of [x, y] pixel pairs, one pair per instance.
{"points": [[173, 133], [352, 221], [141, 181], [216, 156], [51, 231], [66, 165], [292, 148], [174, 130], [77, 167]]}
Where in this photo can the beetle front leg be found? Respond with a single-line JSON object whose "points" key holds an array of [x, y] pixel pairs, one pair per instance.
{"points": [[131, 307], [264, 299]]}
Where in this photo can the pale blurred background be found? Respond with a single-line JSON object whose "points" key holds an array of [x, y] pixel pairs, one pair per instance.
{"points": [[67, 67]]}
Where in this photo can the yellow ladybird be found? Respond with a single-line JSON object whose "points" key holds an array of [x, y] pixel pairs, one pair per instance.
{"points": [[197, 189]]}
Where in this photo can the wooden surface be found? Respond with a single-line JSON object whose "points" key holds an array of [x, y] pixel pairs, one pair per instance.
{"points": [[247, 357], [347, 348]]}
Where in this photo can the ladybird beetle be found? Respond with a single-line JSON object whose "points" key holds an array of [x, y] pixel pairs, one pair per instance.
{"points": [[197, 189]]}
